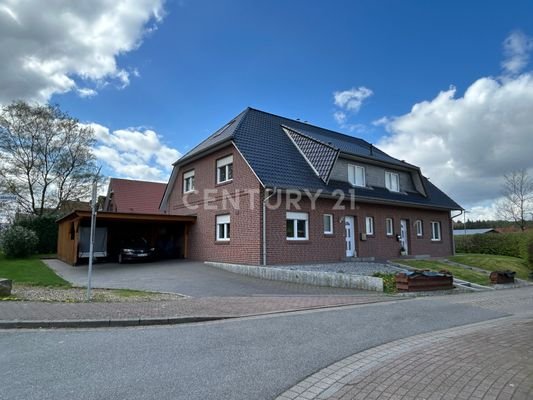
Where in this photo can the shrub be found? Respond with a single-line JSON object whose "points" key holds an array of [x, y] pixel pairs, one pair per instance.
{"points": [[46, 229], [389, 281], [19, 242]]}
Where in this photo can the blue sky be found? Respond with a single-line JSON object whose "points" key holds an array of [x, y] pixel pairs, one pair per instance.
{"points": [[179, 70]]}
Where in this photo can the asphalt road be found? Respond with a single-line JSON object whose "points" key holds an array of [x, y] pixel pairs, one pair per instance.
{"points": [[249, 359]]}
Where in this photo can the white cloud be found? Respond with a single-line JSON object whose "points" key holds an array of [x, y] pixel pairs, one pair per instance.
{"points": [[517, 48], [340, 117], [352, 99], [134, 153], [86, 92], [47, 49], [465, 144]]}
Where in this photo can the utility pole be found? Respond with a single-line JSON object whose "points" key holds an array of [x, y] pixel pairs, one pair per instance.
{"points": [[94, 209]]}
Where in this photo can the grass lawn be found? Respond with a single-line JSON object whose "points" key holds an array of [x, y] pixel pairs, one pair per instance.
{"points": [[491, 262], [29, 271], [458, 272]]}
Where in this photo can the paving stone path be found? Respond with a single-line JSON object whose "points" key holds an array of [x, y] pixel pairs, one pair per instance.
{"points": [[490, 360]]}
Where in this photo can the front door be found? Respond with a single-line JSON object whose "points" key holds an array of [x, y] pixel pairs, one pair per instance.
{"points": [[403, 236], [350, 236]]}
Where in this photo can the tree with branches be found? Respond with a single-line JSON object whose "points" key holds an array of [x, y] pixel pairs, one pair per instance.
{"points": [[517, 202], [45, 156]]}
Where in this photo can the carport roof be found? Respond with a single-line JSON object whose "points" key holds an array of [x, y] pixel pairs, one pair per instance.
{"points": [[104, 215]]}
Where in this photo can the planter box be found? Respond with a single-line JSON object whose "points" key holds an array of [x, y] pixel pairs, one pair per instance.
{"points": [[498, 277], [418, 281]]}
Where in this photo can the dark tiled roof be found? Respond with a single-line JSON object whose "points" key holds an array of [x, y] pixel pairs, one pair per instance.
{"points": [[262, 140], [322, 156]]}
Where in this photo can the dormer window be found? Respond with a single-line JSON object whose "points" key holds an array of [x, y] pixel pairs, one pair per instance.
{"points": [[225, 169], [188, 181], [356, 175], [392, 181]]}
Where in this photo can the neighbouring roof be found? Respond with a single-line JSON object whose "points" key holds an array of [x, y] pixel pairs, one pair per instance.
{"points": [[289, 154], [461, 232], [131, 196]]}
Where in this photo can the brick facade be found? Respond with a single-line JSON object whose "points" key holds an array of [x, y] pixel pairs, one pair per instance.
{"points": [[245, 245]]}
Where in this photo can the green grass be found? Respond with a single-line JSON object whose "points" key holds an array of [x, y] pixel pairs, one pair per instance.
{"points": [[458, 272], [29, 271], [491, 262], [131, 293]]}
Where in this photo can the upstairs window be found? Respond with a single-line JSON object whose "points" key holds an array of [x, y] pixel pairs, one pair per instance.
{"points": [[328, 224], [223, 227], [389, 225], [188, 181], [297, 226], [419, 228], [435, 231], [392, 181], [356, 175], [369, 225], [225, 169]]}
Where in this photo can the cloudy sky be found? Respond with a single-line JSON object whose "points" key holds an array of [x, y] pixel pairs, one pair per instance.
{"points": [[446, 86]]}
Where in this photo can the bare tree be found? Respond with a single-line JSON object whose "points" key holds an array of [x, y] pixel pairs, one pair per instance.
{"points": [[45, 156], [517, 202]]}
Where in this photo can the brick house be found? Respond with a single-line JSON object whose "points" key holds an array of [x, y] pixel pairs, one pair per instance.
{"points": [[270, 190]]}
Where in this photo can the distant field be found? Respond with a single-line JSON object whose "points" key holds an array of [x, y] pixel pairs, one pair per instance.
{"points": [[491, 262]]}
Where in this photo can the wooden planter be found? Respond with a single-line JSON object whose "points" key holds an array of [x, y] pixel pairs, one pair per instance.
{"points": [[498, 277], [418, 281]]}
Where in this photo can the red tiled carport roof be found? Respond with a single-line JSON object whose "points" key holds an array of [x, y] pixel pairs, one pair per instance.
{"points": [[130, 196]]}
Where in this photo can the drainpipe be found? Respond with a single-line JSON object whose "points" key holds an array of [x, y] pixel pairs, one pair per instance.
{"points": [[264, 225], [451, 223]]}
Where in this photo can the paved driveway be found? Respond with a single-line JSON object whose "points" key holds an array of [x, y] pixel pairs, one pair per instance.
{"points": [[187, 277]]}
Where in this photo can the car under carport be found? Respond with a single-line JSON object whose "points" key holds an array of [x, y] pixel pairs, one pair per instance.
{"points": [[169, 234]]}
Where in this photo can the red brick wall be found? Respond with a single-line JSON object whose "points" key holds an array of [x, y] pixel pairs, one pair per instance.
{"points": [[244, 246], [321, 247]]}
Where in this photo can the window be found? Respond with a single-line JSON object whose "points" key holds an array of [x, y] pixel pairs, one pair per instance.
{"points": [[188, 181], [392, 181], [297, 226], [223, 227], [369, 225], [389, 226], [435, 231], [356, 175], [225, 169], [419, 228], [328, 224]]}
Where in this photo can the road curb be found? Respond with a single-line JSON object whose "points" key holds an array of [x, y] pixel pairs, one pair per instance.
{"points": [[106, 323]]}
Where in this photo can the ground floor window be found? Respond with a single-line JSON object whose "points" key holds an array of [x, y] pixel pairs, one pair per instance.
{"points": [[369, 225], [328, 224], [223, 227], [389, 225], [435, 230], [297, 226], [419, 228]]}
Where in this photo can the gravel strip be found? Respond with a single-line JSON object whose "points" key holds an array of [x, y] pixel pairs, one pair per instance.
{"points": [[352, 268], [76, 295]]}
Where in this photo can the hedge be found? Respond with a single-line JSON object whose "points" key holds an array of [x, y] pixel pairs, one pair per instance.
{"points": [[504, 244], [46, 229]]}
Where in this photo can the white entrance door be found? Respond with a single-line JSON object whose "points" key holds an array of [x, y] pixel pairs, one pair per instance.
{"points": [[350, 236], [403, 235]]}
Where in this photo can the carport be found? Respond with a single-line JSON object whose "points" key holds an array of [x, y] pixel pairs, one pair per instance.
{"points": [[167, 233]]}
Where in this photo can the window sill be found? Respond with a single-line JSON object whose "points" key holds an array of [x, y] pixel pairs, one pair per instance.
{"points": [[298, 241], [436, 240], [329, 234], [223, 183], [222, 242]]}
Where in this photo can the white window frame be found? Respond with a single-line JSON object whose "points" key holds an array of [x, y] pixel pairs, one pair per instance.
{"points": [[225, 164], [369, 225], [188, 181], [419, 228], [389, 226], [295, 217], [330, 218], [223, 220], [352, 175], [436, 235], [388, 181]]}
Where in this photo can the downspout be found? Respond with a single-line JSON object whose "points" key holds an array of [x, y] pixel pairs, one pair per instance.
{"points": [[264, 226], [453, 236]]}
